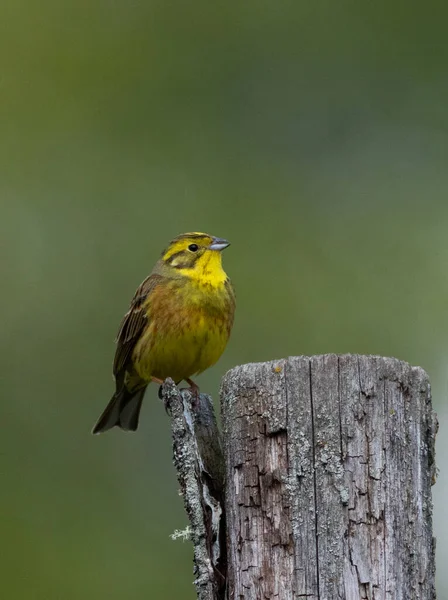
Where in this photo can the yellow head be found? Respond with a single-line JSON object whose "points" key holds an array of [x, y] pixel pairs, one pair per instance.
{"points": [[196, 256]]}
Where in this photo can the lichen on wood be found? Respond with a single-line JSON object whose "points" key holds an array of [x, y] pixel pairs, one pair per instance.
{"points": [[199, 463], [329, 464]]}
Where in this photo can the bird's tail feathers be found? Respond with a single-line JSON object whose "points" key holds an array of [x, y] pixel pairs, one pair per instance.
{"points": [[122, 411]]}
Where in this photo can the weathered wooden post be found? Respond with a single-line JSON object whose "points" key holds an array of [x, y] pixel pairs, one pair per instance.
{"points": [[329, 463]]}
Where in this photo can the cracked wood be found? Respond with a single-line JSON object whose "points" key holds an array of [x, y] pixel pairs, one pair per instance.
{"points": [[329, 466]]}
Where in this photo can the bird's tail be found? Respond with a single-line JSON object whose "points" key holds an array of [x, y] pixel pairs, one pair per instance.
{"points": [[122, 411]]}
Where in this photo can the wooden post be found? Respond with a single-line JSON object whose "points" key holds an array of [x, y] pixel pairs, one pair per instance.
{"points": [[329, 464], [199, 462]]}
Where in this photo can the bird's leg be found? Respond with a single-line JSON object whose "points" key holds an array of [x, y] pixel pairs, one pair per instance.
{"points": [[194, 390]]}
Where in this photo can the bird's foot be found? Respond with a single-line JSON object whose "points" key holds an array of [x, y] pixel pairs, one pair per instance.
{"points": [[164, 399], [195, 392], [193, 389]]}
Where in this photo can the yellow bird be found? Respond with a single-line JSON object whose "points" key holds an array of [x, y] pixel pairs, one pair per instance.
{"points": [[177, 326]]}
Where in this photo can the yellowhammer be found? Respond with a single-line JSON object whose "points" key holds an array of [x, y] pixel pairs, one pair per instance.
{"points": [[178, 325]]}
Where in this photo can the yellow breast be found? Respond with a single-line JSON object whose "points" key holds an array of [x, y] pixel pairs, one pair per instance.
{"points": [[189, 324]]}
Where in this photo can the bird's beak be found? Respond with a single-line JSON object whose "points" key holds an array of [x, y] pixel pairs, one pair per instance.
{"points": [[219, 244]]}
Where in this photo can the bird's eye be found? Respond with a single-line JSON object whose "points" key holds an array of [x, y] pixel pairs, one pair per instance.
{"points": [[193, 247]]}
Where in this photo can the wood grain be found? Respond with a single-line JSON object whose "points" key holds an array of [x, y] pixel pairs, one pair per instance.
{"points": [[329, 466]]}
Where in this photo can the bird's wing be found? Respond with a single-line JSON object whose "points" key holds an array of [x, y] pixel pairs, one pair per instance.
{"points": [[133, 323]]}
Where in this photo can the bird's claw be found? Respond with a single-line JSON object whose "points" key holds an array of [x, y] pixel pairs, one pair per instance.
{"points": [[194, 396], [194, 392], [166, 401]]}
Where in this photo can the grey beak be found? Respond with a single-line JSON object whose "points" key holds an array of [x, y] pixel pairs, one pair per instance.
{"points": [[219, 244]]}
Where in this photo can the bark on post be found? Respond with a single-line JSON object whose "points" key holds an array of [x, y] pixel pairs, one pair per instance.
{"points": [[199, 463], [329, 464]]}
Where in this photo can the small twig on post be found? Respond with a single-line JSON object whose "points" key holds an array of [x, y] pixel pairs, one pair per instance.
{"points": [[200, 470]]}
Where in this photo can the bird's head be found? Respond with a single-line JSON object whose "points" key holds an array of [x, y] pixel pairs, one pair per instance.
{"points": [[196, 256]]}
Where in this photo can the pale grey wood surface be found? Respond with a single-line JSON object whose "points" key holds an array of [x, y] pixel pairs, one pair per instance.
{"points": [[329, 464]]}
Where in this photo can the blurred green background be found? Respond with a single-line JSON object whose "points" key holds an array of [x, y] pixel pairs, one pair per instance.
{"points": [[313, 135]]}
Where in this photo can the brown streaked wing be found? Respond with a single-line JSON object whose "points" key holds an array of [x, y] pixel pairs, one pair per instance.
{"points": [[133, 323]]}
